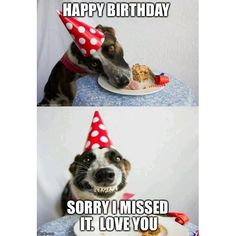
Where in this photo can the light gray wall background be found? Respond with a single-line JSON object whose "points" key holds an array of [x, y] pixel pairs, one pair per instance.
{"points": [[169, 45], [161, 144]]}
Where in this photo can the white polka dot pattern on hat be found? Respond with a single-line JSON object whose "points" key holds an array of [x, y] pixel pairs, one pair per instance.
{"points": [[94, 133], [69, 26], [98, 136], [101, 126], [82, 40], [104, 139], [92, 51], [95, 145], [83, 50], [96, 119], [86, 37], [81, 29], [93, 41], [93, 31]]}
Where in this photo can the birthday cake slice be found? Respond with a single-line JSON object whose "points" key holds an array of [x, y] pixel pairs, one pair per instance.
{"points": [[142, 77], [141, 73]]}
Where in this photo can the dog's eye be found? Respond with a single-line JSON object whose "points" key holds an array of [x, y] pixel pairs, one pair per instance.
{"points": [[86, 160], [94, 64], [118, 159], [111, 49]]}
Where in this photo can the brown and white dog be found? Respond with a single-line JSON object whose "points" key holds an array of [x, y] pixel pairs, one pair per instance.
{"points": [[99, 173], [108, 61]]}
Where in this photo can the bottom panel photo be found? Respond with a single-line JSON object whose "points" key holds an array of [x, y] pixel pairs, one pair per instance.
{"points": [[111, 171]]}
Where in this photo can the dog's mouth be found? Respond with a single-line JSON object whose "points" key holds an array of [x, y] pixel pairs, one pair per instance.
{"points": [[105, 189], [105, 192], [99, 191]]}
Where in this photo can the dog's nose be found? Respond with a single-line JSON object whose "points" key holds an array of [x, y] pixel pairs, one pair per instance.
{"points": [[123, 81], [105, 175]]}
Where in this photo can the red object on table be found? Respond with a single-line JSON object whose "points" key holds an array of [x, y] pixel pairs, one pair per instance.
{"points": [[161, 79], [180, 218], [127, 196]]}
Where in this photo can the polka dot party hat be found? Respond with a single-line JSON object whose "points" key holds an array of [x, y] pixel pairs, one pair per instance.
{"points": [[88, 39], [98, 136]]}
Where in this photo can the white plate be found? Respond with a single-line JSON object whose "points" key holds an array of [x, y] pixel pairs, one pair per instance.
{"points": [[104, 84], [173, 229]]}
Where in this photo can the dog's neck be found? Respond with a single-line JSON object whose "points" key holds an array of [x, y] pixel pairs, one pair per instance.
{"points": [[70, 63]]}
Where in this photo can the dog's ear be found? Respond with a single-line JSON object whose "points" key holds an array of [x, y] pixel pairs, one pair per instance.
{"points": [[127, 166], [106, 29], [99, 27], [73, 166]]}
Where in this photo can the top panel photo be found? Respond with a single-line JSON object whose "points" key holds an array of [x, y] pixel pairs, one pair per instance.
{"points": [[117, 53]]}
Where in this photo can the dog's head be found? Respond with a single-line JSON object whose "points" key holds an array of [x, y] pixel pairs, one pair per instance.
{"points": [[109, 60], [100, 173]]}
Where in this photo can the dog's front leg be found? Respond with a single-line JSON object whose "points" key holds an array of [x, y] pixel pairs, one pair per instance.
{"points": [[60, 88]]}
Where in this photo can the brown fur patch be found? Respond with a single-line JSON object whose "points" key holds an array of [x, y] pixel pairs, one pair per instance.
{"points": [[127, 165]]}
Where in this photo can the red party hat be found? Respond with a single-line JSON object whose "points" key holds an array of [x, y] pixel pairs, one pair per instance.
{"points": [[98, 136], [88, 39]]}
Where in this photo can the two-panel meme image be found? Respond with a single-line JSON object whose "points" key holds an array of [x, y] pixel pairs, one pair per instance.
{"points": [[117, 118]]}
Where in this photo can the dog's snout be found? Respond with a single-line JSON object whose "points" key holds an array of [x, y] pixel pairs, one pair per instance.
{"points": [[123, 81], [104, 175]]}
